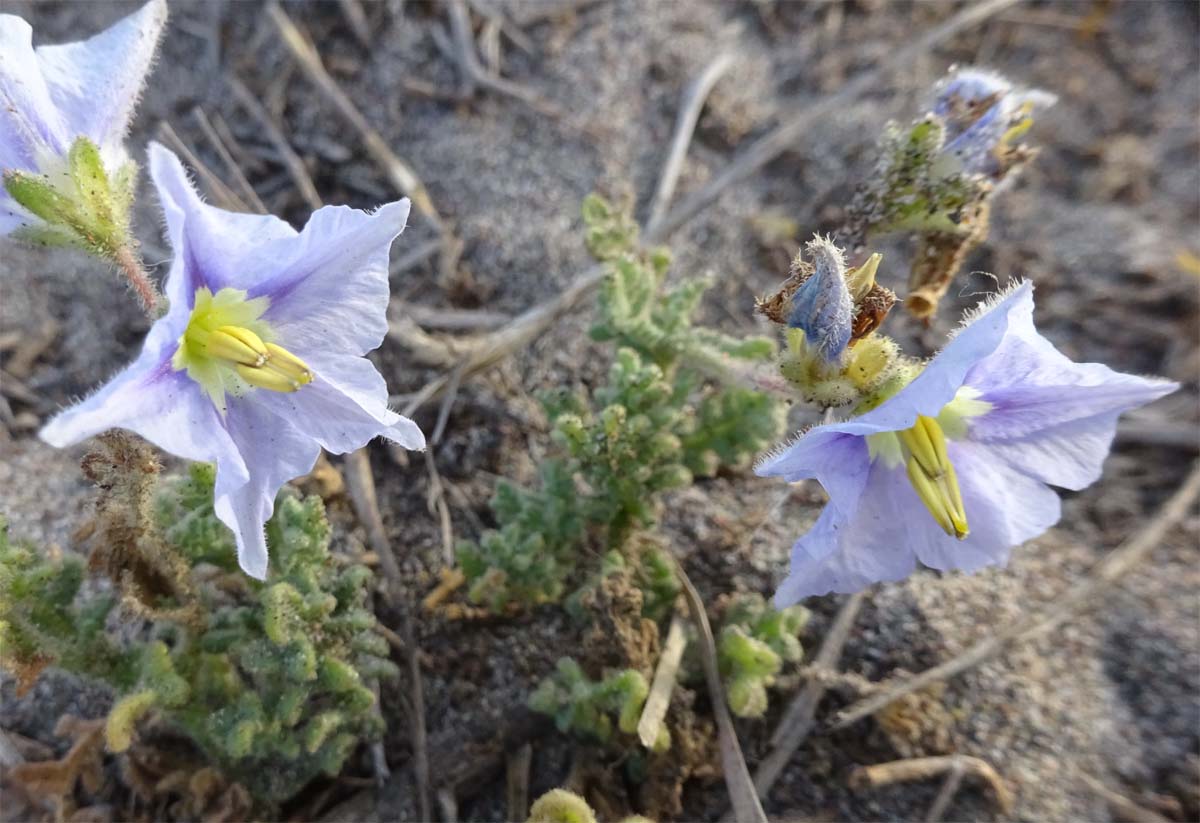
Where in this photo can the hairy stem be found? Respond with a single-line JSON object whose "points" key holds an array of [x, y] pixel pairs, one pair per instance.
{"points": [[130, 264]]}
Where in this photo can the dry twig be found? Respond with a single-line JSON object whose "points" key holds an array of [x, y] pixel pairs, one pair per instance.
{"points": [[361, 485], [397, 171], [222, 194], [287, 155], [436, 501], [923, 768], [945, 794], [239, 178], [356, 18], [474, 73], [659, 698], [1122, 805], [1076, 600], [799, 718], [517, 781], [685, 126], [432, 317]]}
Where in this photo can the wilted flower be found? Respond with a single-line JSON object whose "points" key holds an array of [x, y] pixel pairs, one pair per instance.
{"points": [[258, 363], [64, 113], [982, 114], [952, 470]]}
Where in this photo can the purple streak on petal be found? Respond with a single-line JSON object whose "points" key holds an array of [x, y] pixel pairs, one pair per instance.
{"points": [[937, 384], [274, 452], [345, 406], [333, 293], [220, 245], [30, 123], [96, 83]]}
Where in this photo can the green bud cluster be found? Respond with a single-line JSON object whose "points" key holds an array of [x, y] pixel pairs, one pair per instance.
{"points": [[755, 642], [43, 621], [272, 681], [662, 419], [82, 206], [588, 708]]}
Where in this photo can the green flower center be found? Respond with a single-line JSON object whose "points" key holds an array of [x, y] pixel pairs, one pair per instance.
{"points": [[226, 348]]}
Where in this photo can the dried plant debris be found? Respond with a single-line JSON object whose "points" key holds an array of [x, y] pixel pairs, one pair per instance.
{"points": [[50, 787]]}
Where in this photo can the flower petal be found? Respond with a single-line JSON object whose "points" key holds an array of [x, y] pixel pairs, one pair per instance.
{"points": [[1004, 508], [332, 293], [274, 452], [846, 551], [96, 83], [30, 124], [345, 406], [939, 381], [1052, 418], [143, 398], [211, 245], [839, 462]]}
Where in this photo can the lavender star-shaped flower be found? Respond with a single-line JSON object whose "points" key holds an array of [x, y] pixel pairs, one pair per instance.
{"points": [[53, 95], [259, 362], [955, 469]]}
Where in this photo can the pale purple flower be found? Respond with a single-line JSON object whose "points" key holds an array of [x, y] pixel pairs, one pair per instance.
{"points": [[1018, 417], [981, 111], [259, 362], [52, 95]]}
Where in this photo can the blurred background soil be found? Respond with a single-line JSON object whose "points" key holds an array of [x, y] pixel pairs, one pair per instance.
{"points": [[1105, 222]]}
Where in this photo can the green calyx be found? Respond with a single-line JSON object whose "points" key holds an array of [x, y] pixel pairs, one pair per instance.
{"points": [[81, 205]]}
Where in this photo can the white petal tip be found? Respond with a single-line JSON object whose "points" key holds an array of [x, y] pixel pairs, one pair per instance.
{"points": [[254, 566]]}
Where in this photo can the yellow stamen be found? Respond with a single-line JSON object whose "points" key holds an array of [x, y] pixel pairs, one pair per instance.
{"points": [[236, 344], [280, 371], [932, 475], [289, 365], [267, 379]]}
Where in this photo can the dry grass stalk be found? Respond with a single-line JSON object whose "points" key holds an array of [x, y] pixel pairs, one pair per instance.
{"points": [[742, 794], [923, 768], [397, 170], [665, 673]]}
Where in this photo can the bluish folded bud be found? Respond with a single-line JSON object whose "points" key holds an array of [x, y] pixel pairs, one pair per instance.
{"points": [[822, 307]]}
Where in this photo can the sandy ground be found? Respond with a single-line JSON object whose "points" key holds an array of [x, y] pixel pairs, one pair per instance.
{"points": [[1098, 222]]}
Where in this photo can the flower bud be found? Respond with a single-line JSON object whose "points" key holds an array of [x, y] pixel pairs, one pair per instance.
{"points": [[822, 307]]}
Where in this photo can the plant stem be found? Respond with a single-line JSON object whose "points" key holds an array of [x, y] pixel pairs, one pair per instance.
{"points": [[130, 264]]}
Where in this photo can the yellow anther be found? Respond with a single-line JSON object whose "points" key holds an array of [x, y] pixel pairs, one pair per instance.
{"points": [[236, 345], [289, 365], [267, 379], [932, 475], [280, 371]]}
